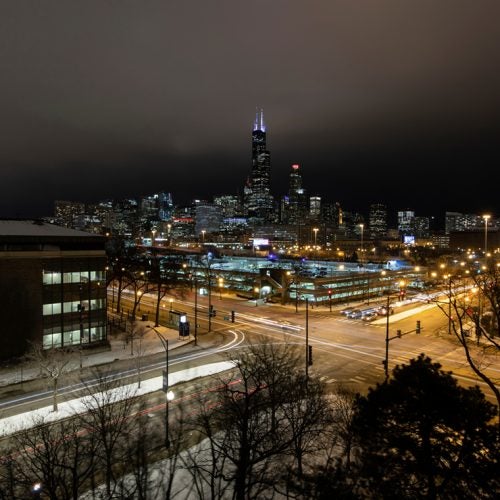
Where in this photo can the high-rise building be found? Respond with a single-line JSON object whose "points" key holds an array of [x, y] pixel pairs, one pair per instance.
{"points": [[405, 221], [68, 213], [259, 201], [377, 220], [315, 207], [296, 196]]}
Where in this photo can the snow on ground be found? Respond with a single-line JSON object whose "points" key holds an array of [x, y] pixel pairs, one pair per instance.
{"points": [[26, 420]]}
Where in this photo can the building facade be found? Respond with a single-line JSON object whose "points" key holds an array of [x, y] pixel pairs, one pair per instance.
{"points": [[52, 287], [259, 201]]}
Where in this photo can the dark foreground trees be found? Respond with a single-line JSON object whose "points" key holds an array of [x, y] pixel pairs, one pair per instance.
{"points": [[420, 435], [265, 430]]}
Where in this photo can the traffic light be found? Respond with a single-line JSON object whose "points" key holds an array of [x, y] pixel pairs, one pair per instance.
{"points": [[398, 333], [329, 292], [232, 316], [212, 311], [310, 355], [417, 328]]}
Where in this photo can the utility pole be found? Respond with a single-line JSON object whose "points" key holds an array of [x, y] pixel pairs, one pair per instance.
{"points": [[168, 394], [195, 312]]}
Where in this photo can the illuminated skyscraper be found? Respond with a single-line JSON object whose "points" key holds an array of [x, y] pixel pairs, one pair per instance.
{"points": [[259, 201], [296, 195]]}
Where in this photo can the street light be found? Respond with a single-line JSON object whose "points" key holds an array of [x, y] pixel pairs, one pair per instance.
{"points": [[203, 236], [169, 227], [315, 230], [36, 489], [169, 395], [257, 292], [221, 284], [171, 304], [195, 311], [486, 218], [362, 228]]}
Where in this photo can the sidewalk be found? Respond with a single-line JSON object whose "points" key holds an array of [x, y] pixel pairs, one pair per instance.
{"points": [[144, 343]]}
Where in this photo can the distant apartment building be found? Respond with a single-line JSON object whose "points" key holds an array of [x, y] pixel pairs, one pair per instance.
{"points": [[456, 221], [377, 221], [405, 221], [68, 213], [230, 205], [52, 287], [315, 208], [208, 218]]}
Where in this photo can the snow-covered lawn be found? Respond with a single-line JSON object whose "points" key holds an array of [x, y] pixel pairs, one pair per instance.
{"points": [[26, 420]]}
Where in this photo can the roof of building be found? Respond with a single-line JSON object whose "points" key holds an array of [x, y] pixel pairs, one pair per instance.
{"points": [[38, 228]]}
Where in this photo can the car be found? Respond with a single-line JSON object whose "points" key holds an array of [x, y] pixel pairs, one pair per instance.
{"points": [[382, 311], [346, 310], [369, 316], [355, 314]]}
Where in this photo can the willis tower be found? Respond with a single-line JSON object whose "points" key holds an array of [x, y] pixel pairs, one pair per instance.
{"points": [[259, 201]]}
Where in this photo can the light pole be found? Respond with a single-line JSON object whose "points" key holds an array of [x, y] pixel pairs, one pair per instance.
{"points": [[386, 362], [257, 293], [362, 226], [169, 395], [315, 230], [203, 236], [449, 303], [195, 312], [486, 217], [221, 284], [307, 339]]}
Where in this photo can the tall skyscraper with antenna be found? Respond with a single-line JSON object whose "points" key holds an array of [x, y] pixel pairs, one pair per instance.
{"points": [[258, 199]]}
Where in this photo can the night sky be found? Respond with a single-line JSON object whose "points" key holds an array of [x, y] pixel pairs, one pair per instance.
{"points": [[379, 101]]}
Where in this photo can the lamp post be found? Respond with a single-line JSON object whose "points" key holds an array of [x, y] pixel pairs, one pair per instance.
{"points": [[169, 227], [315, 231], [169, 395], [386, 362], [203, 236], [362, 226], [307, 339], [195, 312], [221, 284], [486, 217], [449, 303], [257, 293]]}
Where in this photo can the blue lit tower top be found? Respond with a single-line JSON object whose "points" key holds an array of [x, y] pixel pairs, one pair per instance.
{"points": [[260, 201]]}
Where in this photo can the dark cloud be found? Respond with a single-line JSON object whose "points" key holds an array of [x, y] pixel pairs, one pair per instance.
{"points": [[397, 102]]}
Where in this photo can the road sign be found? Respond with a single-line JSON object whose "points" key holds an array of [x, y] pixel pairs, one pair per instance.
{"points": [[165, 381]]}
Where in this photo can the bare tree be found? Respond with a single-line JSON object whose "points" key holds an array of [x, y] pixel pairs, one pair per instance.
{"points": [[56, 454], [259, 425], [107, 417], [53, 363], [482, 286]]}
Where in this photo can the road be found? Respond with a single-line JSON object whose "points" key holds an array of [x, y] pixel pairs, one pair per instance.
{"points": [[348, 353]]}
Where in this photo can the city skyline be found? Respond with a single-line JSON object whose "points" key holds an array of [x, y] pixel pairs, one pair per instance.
{"points": [[393, 104]]}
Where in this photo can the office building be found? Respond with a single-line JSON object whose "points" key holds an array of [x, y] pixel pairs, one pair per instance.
{"points": [[52, 287], [258, 199]]}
